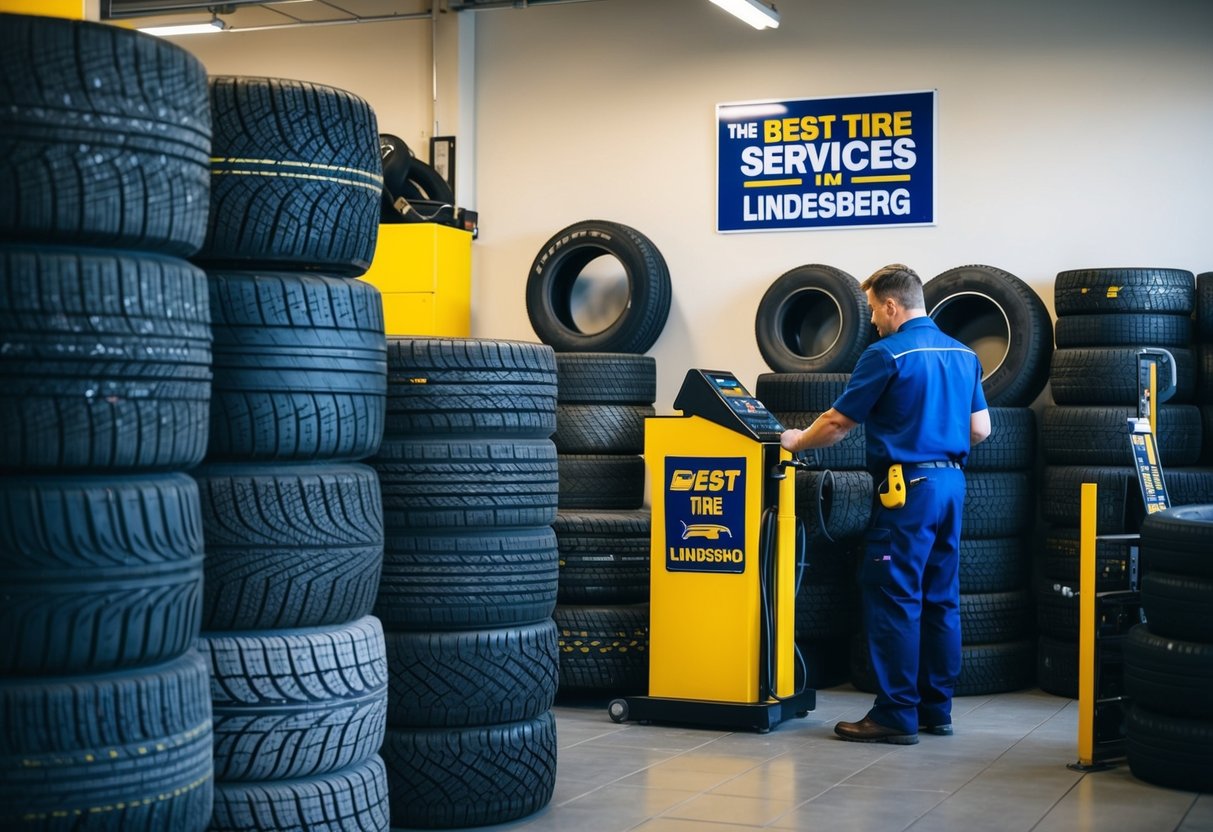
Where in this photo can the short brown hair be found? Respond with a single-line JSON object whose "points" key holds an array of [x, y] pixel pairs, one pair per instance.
{"points": [[899, 282]]}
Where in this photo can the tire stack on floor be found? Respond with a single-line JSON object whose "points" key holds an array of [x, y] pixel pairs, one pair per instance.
{"points": [[293, 524], [104, 390], [469, 482], [606, 390], [1169, 660], [1104, 317], [1204, 368]]}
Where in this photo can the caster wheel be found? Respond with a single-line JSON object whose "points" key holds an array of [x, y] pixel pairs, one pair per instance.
{"points": [[618, 710]]}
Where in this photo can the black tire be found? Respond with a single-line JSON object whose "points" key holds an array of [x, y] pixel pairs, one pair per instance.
{"points": [[477, 677], [1206, 442], [467, 579], [463, 386], [603, 649], [117, 751], [105, 139], [353, 799], [850, 454], [1011, 445], [549, 288], [459, 777], [395, 158], [826, 609], [1096, 291], [997, 504], [1168, 675], [292, 193], [601, 428], [98, 573], [1179, 539], [1098, 435], [296, 703], [461, 483], [601, 482], [992, 565], [827, 662], [800, 392], [1123, 330], [1057, 610], [1204, 307], [425, 184], [1204, 373], [1175, 752], [300, 367], [1057, 667], [605, 377], [835, 505], [986, 669], [1061, 491], [1060, 561], [995, 617], [604, 556], [1004, 320], [1108, 375], [106, 360], [813, 319], [289, 546]]}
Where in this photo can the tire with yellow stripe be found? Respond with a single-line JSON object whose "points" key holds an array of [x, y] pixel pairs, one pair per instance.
{"points": [[296, 176], [128, 750]]}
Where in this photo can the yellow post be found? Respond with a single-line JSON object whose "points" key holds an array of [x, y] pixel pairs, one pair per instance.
{"points": [[73, 9], [1086, 624], [1153, 399], [785, 602]]}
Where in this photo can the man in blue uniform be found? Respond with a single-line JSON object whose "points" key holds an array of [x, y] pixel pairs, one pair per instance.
{"points": [[919, 394]]}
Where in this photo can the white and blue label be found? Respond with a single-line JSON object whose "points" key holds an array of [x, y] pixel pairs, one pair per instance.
{"points": [[705, 514]]}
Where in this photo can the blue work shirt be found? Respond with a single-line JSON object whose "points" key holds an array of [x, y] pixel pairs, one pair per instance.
{"points": [[914, 390]]}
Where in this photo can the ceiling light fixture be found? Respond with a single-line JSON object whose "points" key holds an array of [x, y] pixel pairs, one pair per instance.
{"points": [[754, 12], [214, 25]]}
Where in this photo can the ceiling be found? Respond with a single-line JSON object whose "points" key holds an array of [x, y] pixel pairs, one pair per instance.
{"points": [[246, 15]]}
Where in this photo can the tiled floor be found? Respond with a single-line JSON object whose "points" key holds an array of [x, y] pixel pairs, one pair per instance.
{"points": [[1004, 769]]}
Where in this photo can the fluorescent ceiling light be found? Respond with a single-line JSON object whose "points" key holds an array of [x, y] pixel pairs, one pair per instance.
{"points": [[214, 25], [754, 12]]}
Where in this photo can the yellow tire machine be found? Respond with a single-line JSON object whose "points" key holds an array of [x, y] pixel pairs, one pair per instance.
{"points": [[724, 565]]}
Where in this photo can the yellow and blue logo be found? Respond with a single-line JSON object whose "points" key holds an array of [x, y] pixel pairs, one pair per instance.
{"points": [[705, 501]]}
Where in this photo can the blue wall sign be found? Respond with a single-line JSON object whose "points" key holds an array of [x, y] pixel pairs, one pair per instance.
{"points": [[705, 514], [842, 162]]}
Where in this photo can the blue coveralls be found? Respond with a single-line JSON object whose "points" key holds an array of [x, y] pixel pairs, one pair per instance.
{"points": [[914, 390]]}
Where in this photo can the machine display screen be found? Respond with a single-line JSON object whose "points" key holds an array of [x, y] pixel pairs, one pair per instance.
{"points": [[720, 397]]}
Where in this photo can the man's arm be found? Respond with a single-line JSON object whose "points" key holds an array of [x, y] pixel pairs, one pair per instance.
{"points": [[828, 429], [979, 426]]}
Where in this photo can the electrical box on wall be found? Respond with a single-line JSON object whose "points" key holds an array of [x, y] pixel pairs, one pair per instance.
{"points": [[424, 272]]}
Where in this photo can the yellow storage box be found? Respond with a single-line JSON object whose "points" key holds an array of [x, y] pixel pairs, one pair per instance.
{"points": [[424, 272]]}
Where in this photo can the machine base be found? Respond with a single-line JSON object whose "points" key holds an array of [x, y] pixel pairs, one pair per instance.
{"points": [[757, 716]]}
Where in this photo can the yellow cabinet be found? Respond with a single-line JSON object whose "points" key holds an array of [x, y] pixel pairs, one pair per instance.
{"points": [[424, 272]]}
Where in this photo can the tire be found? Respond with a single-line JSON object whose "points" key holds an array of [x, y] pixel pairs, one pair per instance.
{"points": [[601, 428], [105, 140], [1011, 445], [353, 799], [987, 669], [813, 319], [992, 565], [1061, 491], [106, 360], [477, 677], [834, 505], [395, 158], [289, 546], [1092, 435], [296, 703], [1204, 307], [1108, 375], [1100, 291], [98, 573], [297, 193], [461, 777], [601, 482], [603, 649], [1204, 373], [461, 483], [1057, 610], [1057, 667], [826, 610], [1168, 675], [997, 504], [1179, 540], [426, 184], [800, 392], [467, 579], [469, 386], [300, 368], [988, 309], [554, 272], [1060, 561], [995, 617], [1174, 752], [850, 454], [605, 378], [1123, 330], [1206, 443], [827, 662], [604, 556], [124, 751]]}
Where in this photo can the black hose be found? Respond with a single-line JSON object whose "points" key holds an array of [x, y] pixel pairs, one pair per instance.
{"points": [[767, 564]]}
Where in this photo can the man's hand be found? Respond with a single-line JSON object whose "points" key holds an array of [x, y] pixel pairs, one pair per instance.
{"points": [[789, 439]]}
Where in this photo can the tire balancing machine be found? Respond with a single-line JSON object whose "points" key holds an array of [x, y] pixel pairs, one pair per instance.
{"points": [[726, 556]]}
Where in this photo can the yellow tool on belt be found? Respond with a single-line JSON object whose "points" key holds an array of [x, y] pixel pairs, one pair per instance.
{"points": [[893, 495]]}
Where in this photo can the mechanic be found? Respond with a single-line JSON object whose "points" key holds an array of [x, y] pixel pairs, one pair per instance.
{"points": [[918, 391]]}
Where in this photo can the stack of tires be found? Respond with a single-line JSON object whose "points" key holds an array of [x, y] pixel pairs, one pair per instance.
{"points": [[104, 390], [1169, 660], [293, 523], [606, 390], [469, 480], [1204, 367], [1104, 316]]}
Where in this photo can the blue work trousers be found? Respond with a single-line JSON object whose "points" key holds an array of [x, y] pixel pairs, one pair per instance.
{"points": [[909, 578]]}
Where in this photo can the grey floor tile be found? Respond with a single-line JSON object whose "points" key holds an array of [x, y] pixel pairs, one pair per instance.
{"points": [[861, 809], [721, 808], [1200, 817], [1117, 800], [681, 825]]}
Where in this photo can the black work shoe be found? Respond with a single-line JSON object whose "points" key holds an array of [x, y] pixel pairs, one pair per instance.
{"points": [[944, 730], [867, 730]]}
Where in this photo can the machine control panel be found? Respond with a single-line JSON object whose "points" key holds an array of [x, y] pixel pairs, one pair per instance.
{"points": [[719, 397]]}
